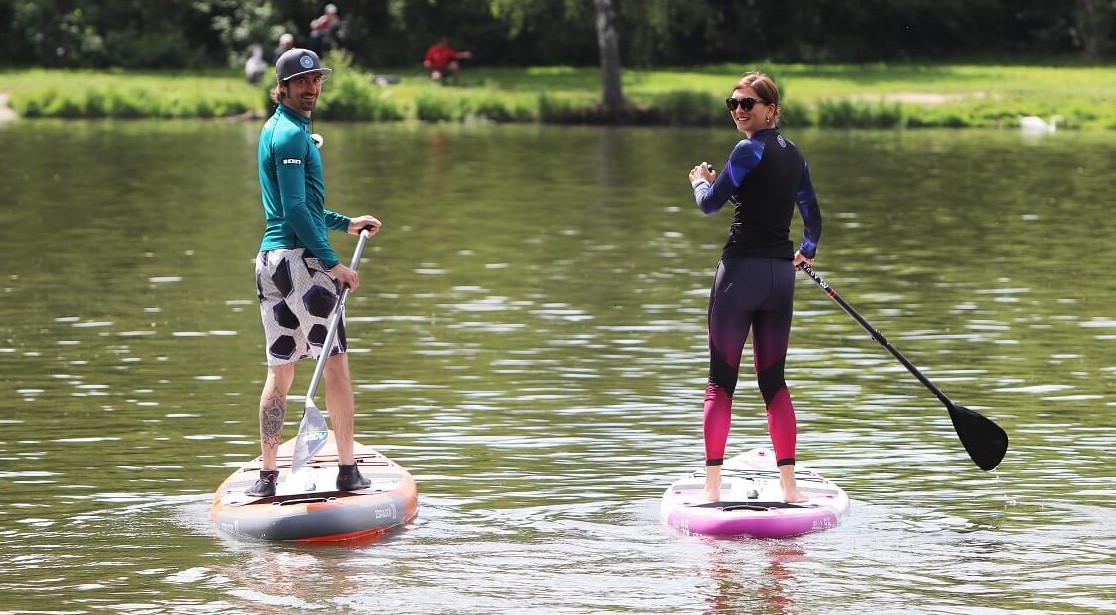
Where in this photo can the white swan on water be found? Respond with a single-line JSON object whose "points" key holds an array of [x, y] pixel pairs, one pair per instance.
{"points": [[1035, 124]]}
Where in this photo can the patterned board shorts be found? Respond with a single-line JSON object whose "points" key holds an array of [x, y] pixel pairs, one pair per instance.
{"points": [[297, 298]]}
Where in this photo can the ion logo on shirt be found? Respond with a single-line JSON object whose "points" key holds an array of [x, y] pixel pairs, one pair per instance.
{"points": [[291, 161]]}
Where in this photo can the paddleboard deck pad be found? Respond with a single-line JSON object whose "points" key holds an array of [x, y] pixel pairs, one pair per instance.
{"points": [[752, 501], [307, 507]]}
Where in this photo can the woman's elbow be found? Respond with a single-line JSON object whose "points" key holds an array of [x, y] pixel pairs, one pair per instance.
{"points": [[707, 207]]}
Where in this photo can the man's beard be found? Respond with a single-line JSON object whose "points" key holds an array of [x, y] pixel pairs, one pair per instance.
{"points": [[298, 102], [307, 104]]}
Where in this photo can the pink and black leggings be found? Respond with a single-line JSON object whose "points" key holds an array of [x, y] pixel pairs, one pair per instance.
{"points": [[750, 294]]}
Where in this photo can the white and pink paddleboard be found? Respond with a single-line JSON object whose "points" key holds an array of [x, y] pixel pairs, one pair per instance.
{"points": [[752, 501]]}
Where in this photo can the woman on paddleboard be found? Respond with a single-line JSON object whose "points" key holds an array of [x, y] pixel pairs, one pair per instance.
{"points": [[765, 178]]}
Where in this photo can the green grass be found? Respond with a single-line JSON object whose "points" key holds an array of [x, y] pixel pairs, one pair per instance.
{"points": [[859, 96], [56, 93]]}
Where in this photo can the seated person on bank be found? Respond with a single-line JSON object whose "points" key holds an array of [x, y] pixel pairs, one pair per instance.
{"points": [[442, 60]]}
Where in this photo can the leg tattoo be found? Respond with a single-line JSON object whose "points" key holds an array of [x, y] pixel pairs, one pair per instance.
{"points": [[272, 412]]}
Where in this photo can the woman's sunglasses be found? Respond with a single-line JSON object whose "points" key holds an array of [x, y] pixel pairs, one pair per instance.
{"points": [[747, 102]]}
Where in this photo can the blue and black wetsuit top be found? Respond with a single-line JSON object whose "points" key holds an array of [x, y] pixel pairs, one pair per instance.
{"points": [[765, 177]]}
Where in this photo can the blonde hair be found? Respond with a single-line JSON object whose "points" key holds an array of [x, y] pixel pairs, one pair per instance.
{"points": [[764, 86]]}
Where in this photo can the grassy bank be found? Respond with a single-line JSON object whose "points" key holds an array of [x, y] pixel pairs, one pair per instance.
{"points": [[860, 96]]}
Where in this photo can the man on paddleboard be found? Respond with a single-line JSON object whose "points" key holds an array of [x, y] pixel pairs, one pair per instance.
{"points": [[765, 177], [298, 276]]}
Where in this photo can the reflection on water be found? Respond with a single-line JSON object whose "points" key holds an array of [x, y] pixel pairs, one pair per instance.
{"points": [[529, 341]]}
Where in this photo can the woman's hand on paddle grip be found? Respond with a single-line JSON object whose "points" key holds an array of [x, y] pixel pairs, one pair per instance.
{"points": [[800, 260]]}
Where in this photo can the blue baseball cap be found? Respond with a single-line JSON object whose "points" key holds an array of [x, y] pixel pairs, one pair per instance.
{"points": [[295, 62]]}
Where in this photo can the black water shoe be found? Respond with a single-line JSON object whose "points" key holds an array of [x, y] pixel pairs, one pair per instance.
{"points": [[265, 484], [349, 478]]}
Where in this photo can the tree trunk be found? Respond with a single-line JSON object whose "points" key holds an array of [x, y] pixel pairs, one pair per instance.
{"points": [[609, 43], [1093, 21]]}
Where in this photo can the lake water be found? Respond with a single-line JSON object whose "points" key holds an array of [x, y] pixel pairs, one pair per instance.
{"points": [[529, 341]]}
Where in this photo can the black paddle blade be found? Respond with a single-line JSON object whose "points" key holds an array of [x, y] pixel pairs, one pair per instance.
{"points": [[984, 440]]}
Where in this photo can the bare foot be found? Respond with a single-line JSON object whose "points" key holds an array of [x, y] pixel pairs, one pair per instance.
{"points": [[712, 492], [711, 496], [791, 494]]}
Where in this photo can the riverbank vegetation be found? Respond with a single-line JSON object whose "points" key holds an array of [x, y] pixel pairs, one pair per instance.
{"points": [[889, 64], [839, 95]]}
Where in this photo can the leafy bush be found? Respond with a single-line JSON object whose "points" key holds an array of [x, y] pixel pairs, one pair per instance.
{"points": [[859, 114], [350, 94], [688, 108]]}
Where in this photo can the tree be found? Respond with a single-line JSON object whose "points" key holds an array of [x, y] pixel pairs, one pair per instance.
{"points": [[609, 42], [516, 13], [1094, 18]]}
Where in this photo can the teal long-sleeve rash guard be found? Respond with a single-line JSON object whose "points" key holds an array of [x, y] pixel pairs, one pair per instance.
{"points": [[293, 188]]}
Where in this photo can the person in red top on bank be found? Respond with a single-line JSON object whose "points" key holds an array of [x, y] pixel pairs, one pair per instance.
{"points": [[442, 60], [326, 31]]}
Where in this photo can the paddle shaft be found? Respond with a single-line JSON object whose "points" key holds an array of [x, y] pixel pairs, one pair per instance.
{"points": [[876, 335], [335, 321]]}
